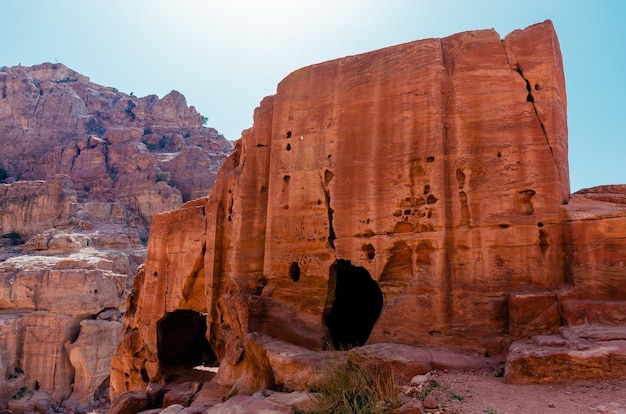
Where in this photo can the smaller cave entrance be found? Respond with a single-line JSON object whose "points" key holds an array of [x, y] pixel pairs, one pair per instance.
{"points": [[183, 348], [356, 307]]}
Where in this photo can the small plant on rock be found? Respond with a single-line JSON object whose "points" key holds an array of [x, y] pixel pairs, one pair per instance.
{"points": [[455, 396], [163, 176], [22, 392], [428, 388]]}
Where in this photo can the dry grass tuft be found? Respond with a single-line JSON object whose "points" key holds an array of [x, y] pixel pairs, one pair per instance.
{"points": [[350, 389]]}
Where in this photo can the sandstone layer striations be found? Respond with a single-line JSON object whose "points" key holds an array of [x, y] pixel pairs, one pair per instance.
{"points": [[415, 195], [85, 169]]}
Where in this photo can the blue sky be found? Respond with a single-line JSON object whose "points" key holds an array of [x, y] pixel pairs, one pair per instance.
{"points": [[225, 56]]}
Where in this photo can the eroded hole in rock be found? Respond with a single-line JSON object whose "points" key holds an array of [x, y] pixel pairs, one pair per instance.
{"points": [[460, 178], [403, 227], [288, 147], [523, 203], [328, 176], [370, 251], [294, 271], [357, 304], [182, 346], [530, 97], [288, 134]]}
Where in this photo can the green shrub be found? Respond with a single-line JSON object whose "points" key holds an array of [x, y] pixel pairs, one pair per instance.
{"points": [[12, 235], [163, 176], [455, 396], [428, 388], [151, 146], [349, 388], [23, 392]]}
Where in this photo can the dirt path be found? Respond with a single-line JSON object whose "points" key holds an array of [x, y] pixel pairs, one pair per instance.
{"points": [[484, 393]]}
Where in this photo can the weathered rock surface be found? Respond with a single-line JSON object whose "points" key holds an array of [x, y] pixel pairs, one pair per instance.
{"points": [[267, 402], [55, 121], [416, 195], [87, 169], [61, 321]]}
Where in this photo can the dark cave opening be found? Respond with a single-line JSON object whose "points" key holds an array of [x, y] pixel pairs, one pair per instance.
{"points": [[182, 346], [356, 307]]}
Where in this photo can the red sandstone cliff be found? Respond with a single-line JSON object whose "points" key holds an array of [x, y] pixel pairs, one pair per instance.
{"points": [[85, 169], [414, 195]]}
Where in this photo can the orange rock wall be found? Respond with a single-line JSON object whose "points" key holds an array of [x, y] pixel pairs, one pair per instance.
{"points": [[439, 166], [411, 149]]}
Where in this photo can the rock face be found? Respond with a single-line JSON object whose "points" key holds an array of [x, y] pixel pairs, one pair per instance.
{"points": [[113, 146], [414, 195], [85, 169]]}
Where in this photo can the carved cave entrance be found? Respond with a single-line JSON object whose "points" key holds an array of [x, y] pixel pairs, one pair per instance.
{"points": [[182, 345], [357, 304]]}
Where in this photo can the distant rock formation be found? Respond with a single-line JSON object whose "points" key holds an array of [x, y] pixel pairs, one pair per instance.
{"points": [[414, 195], [85, 169]]}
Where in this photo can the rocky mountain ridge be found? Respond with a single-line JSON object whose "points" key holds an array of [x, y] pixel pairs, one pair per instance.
{"points": [[85, 168]]}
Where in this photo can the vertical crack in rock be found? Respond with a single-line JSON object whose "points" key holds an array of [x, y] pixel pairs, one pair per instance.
{"points": [[328, 176], [34, 119], [331, 230], [530, 98], [447, 91]]}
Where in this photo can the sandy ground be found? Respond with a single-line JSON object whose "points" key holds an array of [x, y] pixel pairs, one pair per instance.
{"points": [[485, 393]]}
